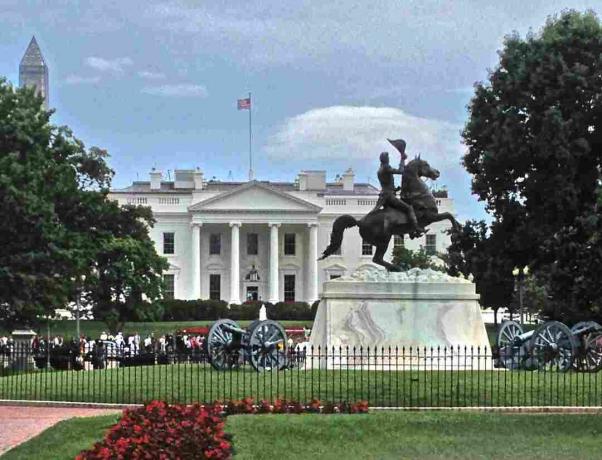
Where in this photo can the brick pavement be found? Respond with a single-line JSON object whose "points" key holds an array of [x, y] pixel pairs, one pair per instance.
{"points": [[20, 423]]}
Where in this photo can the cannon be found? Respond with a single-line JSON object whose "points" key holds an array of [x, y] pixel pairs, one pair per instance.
{"points": [[551, 346], [263, 345], [589, 346]]}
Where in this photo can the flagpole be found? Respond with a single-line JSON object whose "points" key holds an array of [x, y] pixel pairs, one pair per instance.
{"points": [[250, 149]]}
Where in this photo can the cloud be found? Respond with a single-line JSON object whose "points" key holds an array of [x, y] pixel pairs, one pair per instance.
{"points": [[179, 90], [80, 80], [117, 65], [358, 134], [149, 75]]}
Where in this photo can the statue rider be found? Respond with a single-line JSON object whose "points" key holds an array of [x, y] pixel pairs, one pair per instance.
{"points": [[388, 197]]}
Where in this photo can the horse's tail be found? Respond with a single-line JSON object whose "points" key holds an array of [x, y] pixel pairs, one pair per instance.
{"points": [[336, 237]]}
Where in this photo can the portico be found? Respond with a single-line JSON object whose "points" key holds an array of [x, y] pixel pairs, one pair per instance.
{"points": [[254, 228]]}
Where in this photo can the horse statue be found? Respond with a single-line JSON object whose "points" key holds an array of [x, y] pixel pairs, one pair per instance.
{"points": [[378, 226]]}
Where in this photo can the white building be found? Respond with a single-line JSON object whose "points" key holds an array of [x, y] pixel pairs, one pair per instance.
{"points": [[238, 241]]}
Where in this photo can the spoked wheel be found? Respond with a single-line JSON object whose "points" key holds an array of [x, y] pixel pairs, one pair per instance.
{"points": [[589, 358], [510, 347], [267, 346], [553, 347], [223, 346]]}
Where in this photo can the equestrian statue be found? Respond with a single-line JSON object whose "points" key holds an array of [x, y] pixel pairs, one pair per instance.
{"points": [[407, 214]]}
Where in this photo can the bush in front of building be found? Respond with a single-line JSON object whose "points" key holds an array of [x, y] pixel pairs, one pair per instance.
{"points": [[211, 310], [194, 310]]}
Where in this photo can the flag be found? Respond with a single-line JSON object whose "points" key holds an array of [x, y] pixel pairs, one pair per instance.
{"points": [[244, 104]]}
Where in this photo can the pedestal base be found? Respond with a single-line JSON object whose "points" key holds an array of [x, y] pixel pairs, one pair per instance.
{"points": [[418, 318]]}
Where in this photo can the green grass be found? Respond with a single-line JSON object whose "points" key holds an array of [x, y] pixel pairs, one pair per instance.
{"points": [[394, 435], [64, 440], [192, 382], [377, 435], [93, 329]]}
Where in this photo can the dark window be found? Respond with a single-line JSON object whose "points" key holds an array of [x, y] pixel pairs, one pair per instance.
{"points": [[169, 246], [215, 286], [289, 288], [431, 244], [334, 277], [289, 244], [366, 249], [169, 287], [252, 244], [215, 244], [338, 251], [397, 241]]}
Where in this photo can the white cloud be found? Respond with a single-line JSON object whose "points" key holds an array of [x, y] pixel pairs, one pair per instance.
{"points": [[358, 134], [79, 80], [180, 90], [149, 75], [116, 65]]}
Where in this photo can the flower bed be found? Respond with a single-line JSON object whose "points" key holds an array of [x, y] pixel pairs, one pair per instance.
{"points": [[174, 431]]}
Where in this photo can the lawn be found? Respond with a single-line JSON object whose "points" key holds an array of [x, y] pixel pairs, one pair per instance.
{"points": [[395, 435], [382, 435], [93, 329], [64, 440], [199, 382]]}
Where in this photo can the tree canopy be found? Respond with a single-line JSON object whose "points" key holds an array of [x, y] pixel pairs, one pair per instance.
{"points": [[534, 140], [58, 226]]}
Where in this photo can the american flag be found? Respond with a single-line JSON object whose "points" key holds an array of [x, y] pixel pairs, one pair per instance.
{"points": [[244, 104]]}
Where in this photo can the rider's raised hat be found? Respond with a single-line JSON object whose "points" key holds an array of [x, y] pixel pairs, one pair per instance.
{"points": [[399, 144]]}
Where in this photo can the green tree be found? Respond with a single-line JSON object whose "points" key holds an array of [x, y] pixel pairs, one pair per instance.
{"points": [[58, 225], [406, 258], [475, 251], [534, 140]]}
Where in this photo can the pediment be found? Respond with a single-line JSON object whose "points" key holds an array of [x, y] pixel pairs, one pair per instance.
{"points": [[255, 196]]}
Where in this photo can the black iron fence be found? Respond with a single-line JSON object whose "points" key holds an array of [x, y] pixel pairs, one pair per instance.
{"points": [[385, 377]]}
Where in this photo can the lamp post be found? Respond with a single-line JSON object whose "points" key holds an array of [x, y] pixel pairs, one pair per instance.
{"points": [[519, 274], [80, 286]]}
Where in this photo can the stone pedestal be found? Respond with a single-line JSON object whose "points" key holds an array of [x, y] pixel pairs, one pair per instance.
{"points": [[22, 354], [418, 318]]}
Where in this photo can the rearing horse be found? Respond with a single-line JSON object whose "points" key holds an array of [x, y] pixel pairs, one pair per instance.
{"points": [[377, 227]]}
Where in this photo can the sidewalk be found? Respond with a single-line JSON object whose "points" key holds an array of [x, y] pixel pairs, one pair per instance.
{"points": [[20, 423]]}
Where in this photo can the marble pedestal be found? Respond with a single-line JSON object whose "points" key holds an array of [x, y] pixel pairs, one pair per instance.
{"points": [[415, 319]]}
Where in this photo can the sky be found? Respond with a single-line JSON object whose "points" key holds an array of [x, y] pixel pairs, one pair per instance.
{"points": [[156, 83]]}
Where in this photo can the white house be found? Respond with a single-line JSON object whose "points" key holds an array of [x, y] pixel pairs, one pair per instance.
{"points": [[238, 241]]}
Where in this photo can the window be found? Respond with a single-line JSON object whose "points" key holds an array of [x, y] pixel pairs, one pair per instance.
{"points": [[289, 288], [215, 244], [215, 286], [289, 244], [169, 243], [366, 249], [334, 277], [252, 244], [398, 241], [431, 244], [338, 251], [169, 288]]}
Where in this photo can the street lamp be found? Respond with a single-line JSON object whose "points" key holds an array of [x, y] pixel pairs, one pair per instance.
{"points": [[519, 274], [82, 280]]}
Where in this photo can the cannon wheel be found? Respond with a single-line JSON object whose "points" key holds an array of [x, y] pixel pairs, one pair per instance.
{"points": [[223, 346], [590, 357], [267, 346], [553, 347], [509, 349]]}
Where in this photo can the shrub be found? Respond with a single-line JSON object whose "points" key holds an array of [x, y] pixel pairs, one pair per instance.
{"points": [[161, 430], [290, 310], [194, 310]]}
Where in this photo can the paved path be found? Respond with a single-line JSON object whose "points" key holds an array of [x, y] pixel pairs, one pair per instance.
{"points": [[20, 423]]}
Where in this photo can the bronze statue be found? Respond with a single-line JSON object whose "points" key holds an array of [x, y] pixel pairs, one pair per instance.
{"points": [[409, 214]]}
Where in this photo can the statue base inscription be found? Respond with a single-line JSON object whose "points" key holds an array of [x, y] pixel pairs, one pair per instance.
{"points": [[413, 319]]}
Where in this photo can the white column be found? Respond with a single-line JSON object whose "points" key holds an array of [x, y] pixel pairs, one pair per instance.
{"points": [[235, 263], [196, 261], [312, 266], [273, 263]]}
